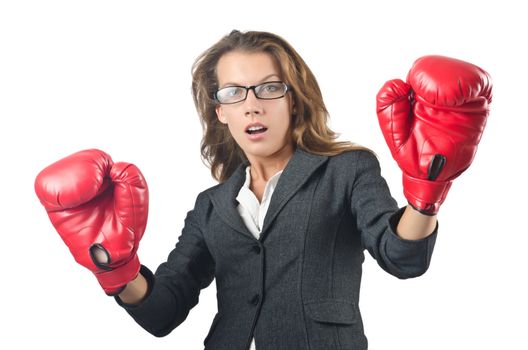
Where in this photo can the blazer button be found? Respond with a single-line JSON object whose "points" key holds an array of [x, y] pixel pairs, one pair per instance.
{"points": [[256, 249], [255, 300]]}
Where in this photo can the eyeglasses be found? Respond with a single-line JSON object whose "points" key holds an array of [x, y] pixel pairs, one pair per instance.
{"points": [[270, 90]]}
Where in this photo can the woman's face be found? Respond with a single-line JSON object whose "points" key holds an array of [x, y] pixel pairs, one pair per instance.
{"points": [[248, 69]]}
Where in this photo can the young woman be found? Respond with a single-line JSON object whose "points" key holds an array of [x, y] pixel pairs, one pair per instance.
{"points": [[284, 231]]}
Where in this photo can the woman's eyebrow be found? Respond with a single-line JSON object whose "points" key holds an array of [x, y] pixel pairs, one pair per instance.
{"points": [[261, 80]]}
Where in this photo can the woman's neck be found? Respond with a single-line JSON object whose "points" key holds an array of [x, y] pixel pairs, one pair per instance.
{"points": [[262, 168]]}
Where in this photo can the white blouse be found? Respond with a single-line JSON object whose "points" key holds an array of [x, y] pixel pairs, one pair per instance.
{"points": [[253, 212]]}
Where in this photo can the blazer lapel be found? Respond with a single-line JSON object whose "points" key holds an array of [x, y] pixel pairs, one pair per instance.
{"points": [[298, 170], [225, 203]]}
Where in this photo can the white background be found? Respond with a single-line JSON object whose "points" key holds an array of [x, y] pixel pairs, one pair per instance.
{"points": [[115, 75]]}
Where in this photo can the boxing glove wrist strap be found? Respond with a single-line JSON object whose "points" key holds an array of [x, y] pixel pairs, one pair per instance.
{"points": [[114, 281], [424, 195]]}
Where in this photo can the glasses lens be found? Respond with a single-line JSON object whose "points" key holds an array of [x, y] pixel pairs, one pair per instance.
{"points": [[231, 94], [266, 91], [271, 90]]}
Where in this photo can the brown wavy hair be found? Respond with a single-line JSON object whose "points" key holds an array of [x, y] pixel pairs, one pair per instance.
{"points": [[310, 131]]}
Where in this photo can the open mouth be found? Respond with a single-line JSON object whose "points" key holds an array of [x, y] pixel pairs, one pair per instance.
{"points": [[256, 130]]}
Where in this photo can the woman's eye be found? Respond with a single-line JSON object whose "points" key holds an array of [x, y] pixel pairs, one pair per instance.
{"points": [[271, 88], [234, 91]]}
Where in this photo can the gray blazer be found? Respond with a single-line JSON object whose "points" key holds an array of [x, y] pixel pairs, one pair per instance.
{"points": [[297, 287]]}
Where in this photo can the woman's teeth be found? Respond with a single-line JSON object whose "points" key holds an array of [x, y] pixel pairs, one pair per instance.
{"points": [[256, 130]]}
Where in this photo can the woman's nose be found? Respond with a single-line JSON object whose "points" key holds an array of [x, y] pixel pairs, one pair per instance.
{"points": [[252, 104]]}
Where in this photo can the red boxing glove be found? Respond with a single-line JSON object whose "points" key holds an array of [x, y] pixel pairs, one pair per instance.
{"points": [[98, 208], [433, 124]]}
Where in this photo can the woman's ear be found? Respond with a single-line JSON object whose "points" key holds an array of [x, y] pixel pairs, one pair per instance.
{"points": [[293, 105], [220, 114]]}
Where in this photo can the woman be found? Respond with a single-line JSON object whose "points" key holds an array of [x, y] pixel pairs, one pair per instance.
{"points": [[285, 229]]}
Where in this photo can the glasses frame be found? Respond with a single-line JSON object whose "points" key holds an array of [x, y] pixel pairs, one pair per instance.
{"points": [[253, 87]]}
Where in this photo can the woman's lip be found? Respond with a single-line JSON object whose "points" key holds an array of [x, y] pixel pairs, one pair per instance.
{"points": [[255, 125], [258, 136]]}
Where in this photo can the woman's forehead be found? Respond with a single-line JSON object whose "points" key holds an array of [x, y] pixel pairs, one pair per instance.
{"points": [[243, 68]]}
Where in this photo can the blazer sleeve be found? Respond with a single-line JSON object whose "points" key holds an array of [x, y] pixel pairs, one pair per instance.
{"points": [[175, 287], [377, 216]]}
